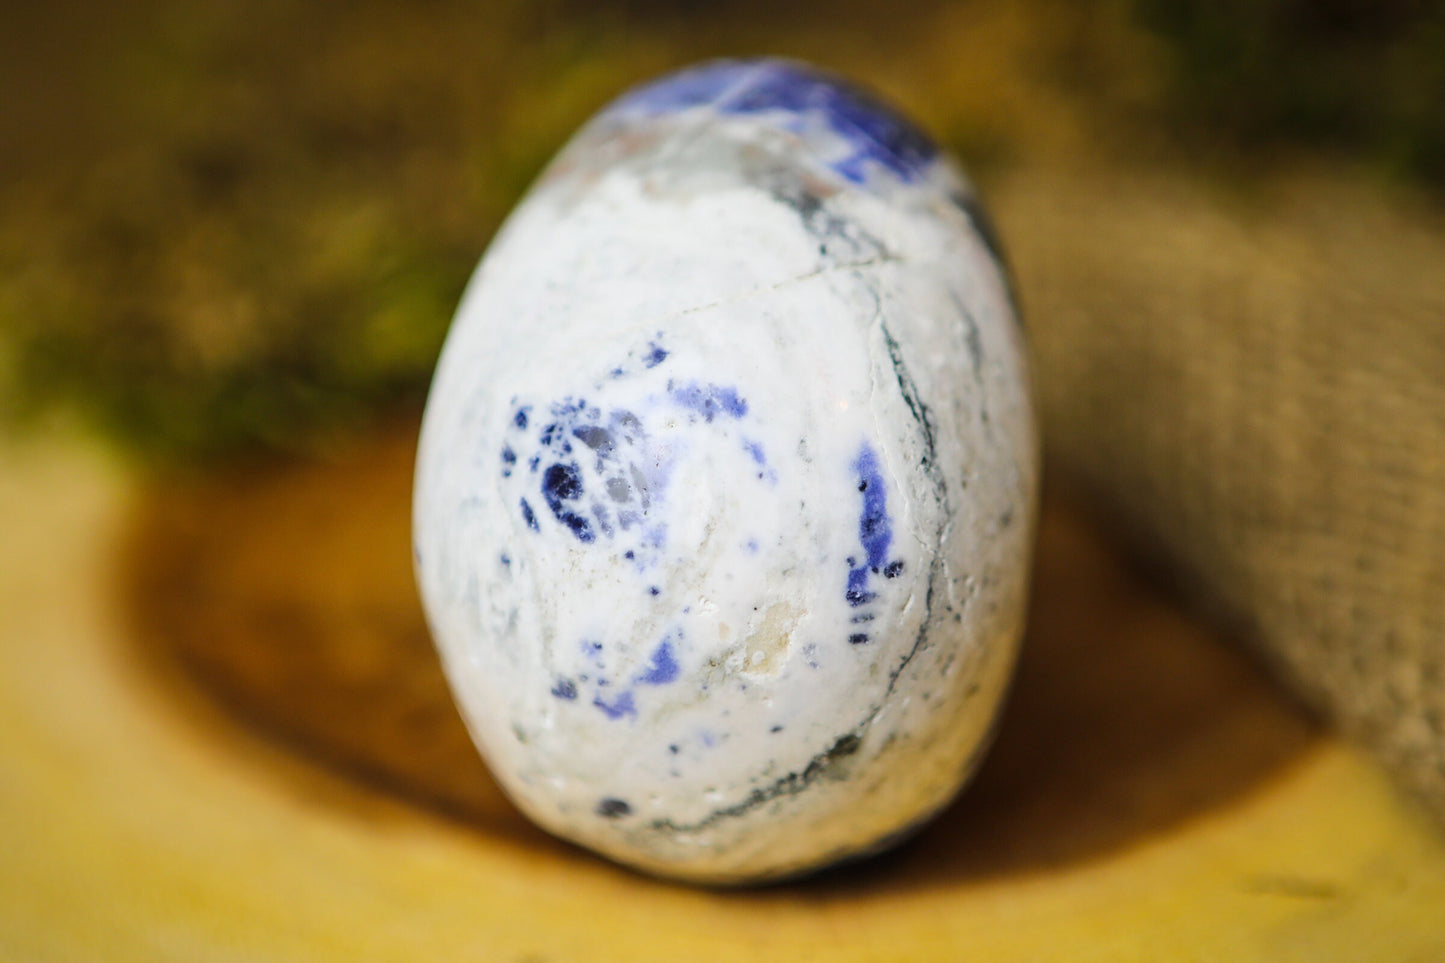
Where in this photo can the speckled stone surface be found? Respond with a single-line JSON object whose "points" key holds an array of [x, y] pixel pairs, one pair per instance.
{"points": [[726, 489]]}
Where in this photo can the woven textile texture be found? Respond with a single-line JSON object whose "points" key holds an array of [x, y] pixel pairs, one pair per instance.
{"points": [[1254, 386]]}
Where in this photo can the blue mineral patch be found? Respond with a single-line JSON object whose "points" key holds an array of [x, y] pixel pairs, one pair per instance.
{"points": [[692, 87], [708, 400], [857, 593], [551, 433], [565, 689], [648, 356], [760, 458], [597, 471], [663, 667], [530, 517], [621, 705], [604, 520], [596, 474], [561, 487], [790, 93], [596, 437], [573, 406], [875, 532]]}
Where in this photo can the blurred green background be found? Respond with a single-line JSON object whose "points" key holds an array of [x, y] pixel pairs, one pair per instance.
{"points": [[237, 227]]}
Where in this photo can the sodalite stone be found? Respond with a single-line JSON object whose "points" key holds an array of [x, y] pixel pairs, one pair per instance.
{"points": [[726, 488]]}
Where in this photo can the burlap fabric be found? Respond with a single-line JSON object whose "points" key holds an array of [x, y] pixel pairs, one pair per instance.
{"points": [[1253, 384]]}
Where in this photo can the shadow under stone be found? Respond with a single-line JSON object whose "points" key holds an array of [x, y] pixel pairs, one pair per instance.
{"points": [[285, 595]]}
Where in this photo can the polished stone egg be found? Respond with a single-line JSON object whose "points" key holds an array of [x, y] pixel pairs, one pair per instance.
{"points": [[727, 482]]}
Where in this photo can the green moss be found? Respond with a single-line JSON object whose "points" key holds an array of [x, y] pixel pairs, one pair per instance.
{"points": [[266, 212]]}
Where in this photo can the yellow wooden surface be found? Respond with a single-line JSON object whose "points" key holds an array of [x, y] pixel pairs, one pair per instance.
{"points": [[180, 782]]}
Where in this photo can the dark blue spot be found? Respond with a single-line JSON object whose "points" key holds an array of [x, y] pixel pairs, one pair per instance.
{"points": [[613, 808], [708, 400], [569, 406], [629, 554], [875, 528], [663, 668], [776, 729], [520, 418], [561, 484], [857, 593], [534, 461], [618, 707], [655, 356], [857, 638], [529, 517], [654, 590], [893, 569], [509, 458], [565, 689], [505, 559]]}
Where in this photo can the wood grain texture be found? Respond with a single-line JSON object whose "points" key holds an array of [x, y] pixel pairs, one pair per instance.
{"points": [[229, 741]]}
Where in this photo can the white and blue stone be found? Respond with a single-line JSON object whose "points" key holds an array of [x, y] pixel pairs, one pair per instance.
{"points": [[727, 481]]}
